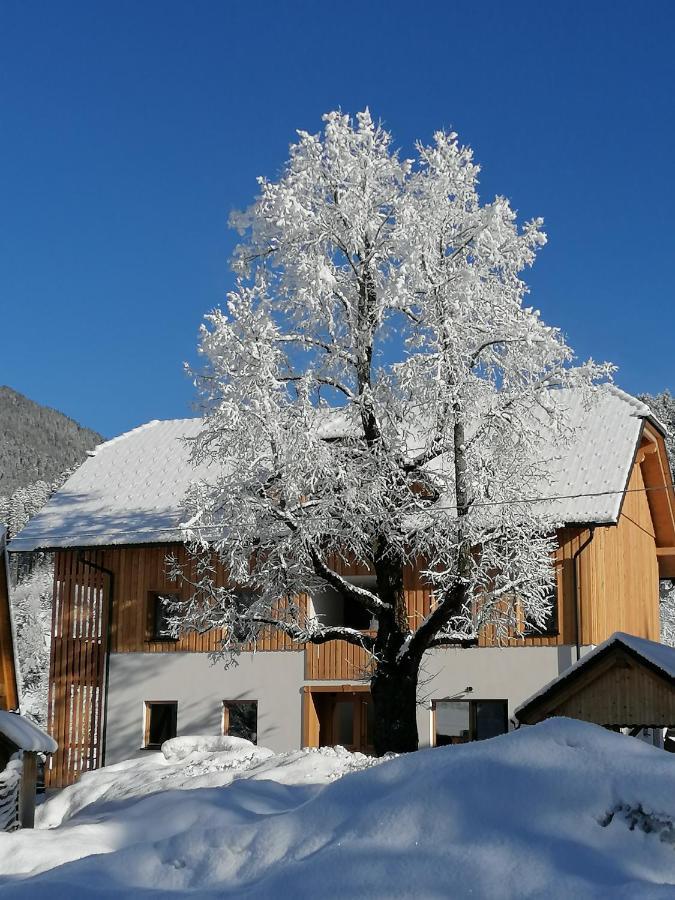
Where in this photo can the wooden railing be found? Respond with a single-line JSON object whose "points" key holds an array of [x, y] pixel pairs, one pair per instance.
{"points": [[337, 661], [10, 788]]}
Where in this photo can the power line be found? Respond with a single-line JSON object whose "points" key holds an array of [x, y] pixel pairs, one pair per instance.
{"points": [[172, 529]]}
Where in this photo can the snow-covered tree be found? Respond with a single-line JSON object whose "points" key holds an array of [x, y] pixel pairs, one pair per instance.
{"points": [[31, 583], [31, 609], [376, 392]]}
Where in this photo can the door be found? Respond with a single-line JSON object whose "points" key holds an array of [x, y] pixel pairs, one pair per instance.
{"points": [[346, 718]]}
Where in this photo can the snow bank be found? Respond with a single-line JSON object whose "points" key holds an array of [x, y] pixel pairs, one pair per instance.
{"points": [[186, 763], [563, 809], [180, 747]]}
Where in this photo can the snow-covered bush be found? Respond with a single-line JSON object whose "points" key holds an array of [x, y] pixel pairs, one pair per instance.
{"points": [[31, 609], [179, 748]]}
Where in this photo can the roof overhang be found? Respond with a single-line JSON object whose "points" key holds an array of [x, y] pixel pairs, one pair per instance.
{"points": [[653, 460]]}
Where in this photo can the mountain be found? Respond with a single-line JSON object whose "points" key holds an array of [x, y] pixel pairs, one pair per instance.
{"points": [[37, 443]]}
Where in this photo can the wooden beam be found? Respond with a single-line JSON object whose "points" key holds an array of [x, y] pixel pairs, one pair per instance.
{"points": [[659, 483], [666, 560]]}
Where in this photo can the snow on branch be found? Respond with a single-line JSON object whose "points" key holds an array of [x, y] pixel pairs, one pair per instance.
{"points": [[378, 393]]}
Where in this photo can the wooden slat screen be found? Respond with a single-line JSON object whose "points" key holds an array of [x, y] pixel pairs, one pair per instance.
{"points": [[77, 667]]}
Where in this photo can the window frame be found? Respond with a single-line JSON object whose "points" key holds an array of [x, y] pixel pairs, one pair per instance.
{"points": [[147, 721], [153, 605], [472, 703], [227, 706], [552, 628]]}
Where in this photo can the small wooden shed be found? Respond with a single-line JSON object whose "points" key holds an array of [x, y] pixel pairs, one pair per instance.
{"points": [[20, 741], [625, 682]]}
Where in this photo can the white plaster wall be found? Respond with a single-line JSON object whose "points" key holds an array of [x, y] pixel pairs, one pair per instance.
{"points": [[275, 680], [493, 673], [200, 686]]}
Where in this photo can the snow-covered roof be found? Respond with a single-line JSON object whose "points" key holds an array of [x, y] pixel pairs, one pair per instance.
{"points": [[130, 489], [659, 655], [587, 477], [25, 734]]}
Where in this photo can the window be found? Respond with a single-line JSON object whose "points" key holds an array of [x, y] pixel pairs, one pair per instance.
{"points": [[160, 722], [332, 608], [355, 616], [460, 721], [550, 627], [240, 719], [158, 615], [243, 600]]}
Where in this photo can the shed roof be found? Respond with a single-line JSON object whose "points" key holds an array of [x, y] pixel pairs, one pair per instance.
{"points": [[24, 734], [654, 654], [131, 488]]}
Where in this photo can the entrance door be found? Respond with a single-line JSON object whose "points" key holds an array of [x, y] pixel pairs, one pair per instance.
{"points": [[345, 718]]}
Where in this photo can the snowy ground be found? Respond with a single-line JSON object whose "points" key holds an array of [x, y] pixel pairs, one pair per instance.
{"points": [[563, 809]]}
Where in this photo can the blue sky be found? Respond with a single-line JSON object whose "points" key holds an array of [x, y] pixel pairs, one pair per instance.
{"points": [[130, 130]]}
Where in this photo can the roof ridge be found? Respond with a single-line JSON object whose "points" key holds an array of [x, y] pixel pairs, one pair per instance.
{"points": [[631, 400], [139, 428]]}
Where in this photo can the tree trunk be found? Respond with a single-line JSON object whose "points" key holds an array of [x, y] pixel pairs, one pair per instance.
{"points": [[394, 691]]}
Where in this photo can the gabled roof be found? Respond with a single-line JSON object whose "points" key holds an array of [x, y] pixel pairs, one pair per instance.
{"points": [[657, 656], [130, 489]]}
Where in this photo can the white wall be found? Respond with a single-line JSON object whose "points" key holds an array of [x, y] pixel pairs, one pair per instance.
{"points": [[200, 686], [275, 680], [493, 673]]}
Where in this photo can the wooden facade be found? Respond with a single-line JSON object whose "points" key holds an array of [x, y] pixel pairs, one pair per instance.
{"points": [[80, 639], [616, 688], [9, 696]]}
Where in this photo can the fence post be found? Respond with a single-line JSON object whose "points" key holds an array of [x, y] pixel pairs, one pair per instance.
{"points": [[28, 789]]}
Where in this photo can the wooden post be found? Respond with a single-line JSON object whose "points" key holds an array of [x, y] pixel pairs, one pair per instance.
{"points": [[27, 790]]}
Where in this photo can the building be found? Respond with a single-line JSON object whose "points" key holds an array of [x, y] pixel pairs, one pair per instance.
{"points": [[119, 683], [625, 683]]}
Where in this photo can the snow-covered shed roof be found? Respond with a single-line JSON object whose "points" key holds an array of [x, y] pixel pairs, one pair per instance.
{"points": [[130, 489], [24, 734], [657, 655]]}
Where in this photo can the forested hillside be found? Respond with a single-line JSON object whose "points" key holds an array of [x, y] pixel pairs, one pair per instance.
{"points": [[39, 448], [37, 443]]}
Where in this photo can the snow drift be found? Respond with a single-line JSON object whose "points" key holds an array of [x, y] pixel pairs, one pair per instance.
{"points": [[560, 809]]}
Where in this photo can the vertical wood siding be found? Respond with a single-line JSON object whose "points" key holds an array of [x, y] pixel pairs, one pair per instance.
{"points": [[77, 667], [619, 577], [9, 698]]}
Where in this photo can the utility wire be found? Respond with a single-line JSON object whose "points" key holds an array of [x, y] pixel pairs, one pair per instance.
{"points": [[487, 503]]}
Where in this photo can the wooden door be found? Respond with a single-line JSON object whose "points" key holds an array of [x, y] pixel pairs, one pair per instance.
{"points": [[345, 719]]}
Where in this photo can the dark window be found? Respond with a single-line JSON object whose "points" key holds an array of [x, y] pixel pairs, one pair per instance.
{"points": [[549, 628], [243, 600], [452, 722], [355, 616], [460, 721], [159, 615], [240, 719], [490, 718], [160, 722]]}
